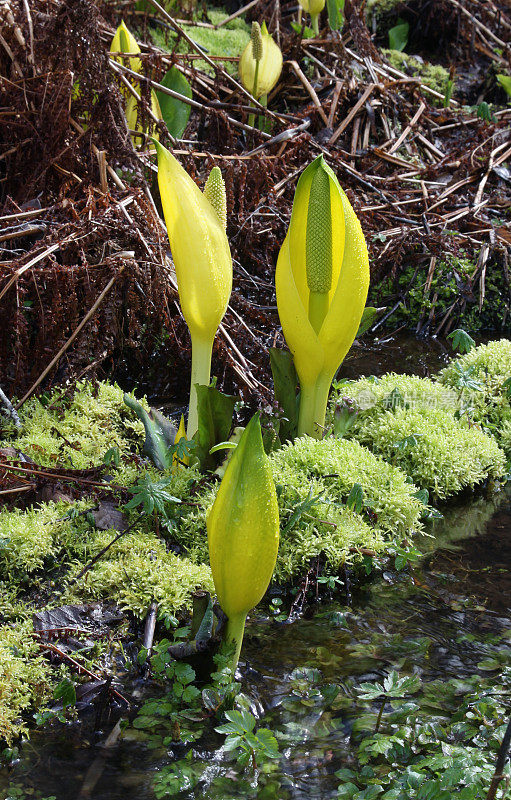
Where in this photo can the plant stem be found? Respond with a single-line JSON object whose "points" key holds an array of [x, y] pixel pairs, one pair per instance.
{"points": [[234, 635], [251, 119], [380, 713], [315, 24], [201, 371], [306, 414], [323, 385]]}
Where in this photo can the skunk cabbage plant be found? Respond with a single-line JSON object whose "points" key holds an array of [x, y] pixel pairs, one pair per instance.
{"points": [[124, 42], [243, 533], [260, 63], [314, 8], [196, 228], [322, 279]]}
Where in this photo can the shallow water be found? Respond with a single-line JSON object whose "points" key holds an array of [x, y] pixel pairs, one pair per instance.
{"points": [[434, 623]]}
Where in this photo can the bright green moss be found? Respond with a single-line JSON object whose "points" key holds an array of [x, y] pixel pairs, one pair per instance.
{"points": [[393, 390], [339, 464], [489, 365], [433, 75], [138, 570], [24, 678], [28, 538], [438, 452], [79, 432], [229, 40]]}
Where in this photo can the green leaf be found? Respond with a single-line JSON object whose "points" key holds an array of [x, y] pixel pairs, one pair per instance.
{"points": [[369, 317], [215, 412], [160, 433], [285, 381], [66, 692], [461, 340], [355, 501], [175, 112], [505, 82], [223, 446], [308, 33], [335, 10], [398, 35]]}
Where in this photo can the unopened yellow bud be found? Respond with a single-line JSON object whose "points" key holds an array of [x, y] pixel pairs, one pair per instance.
{"points": [[214, 190]]}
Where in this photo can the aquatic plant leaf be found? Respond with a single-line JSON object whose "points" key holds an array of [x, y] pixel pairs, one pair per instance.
{"points": [[175, 112], [215, 411], [285, 381], [461, 341]]}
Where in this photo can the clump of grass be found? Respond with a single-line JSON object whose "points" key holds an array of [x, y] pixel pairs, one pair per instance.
{"points": [[438, 452]]}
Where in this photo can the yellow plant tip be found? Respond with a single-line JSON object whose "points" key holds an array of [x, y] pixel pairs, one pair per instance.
{"points": [[243, 526], [257, 41], [125, 42], [214, 190], [318, 242]]}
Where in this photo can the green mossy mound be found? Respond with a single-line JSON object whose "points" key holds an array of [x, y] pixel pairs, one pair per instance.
{"points": [[489, 365], [391, 390], [229, 40], [337, 465], [76, 432], [24, 678], [439, 453], [138, 570], [314, 480], [433, 75]]}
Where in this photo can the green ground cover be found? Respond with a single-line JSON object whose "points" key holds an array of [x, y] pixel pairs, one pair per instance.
{"points": [[339, 499]]}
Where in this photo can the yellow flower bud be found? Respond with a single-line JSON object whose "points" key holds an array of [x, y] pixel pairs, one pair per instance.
{"points": [[269, 66], [243, 532], [203, 263]]}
